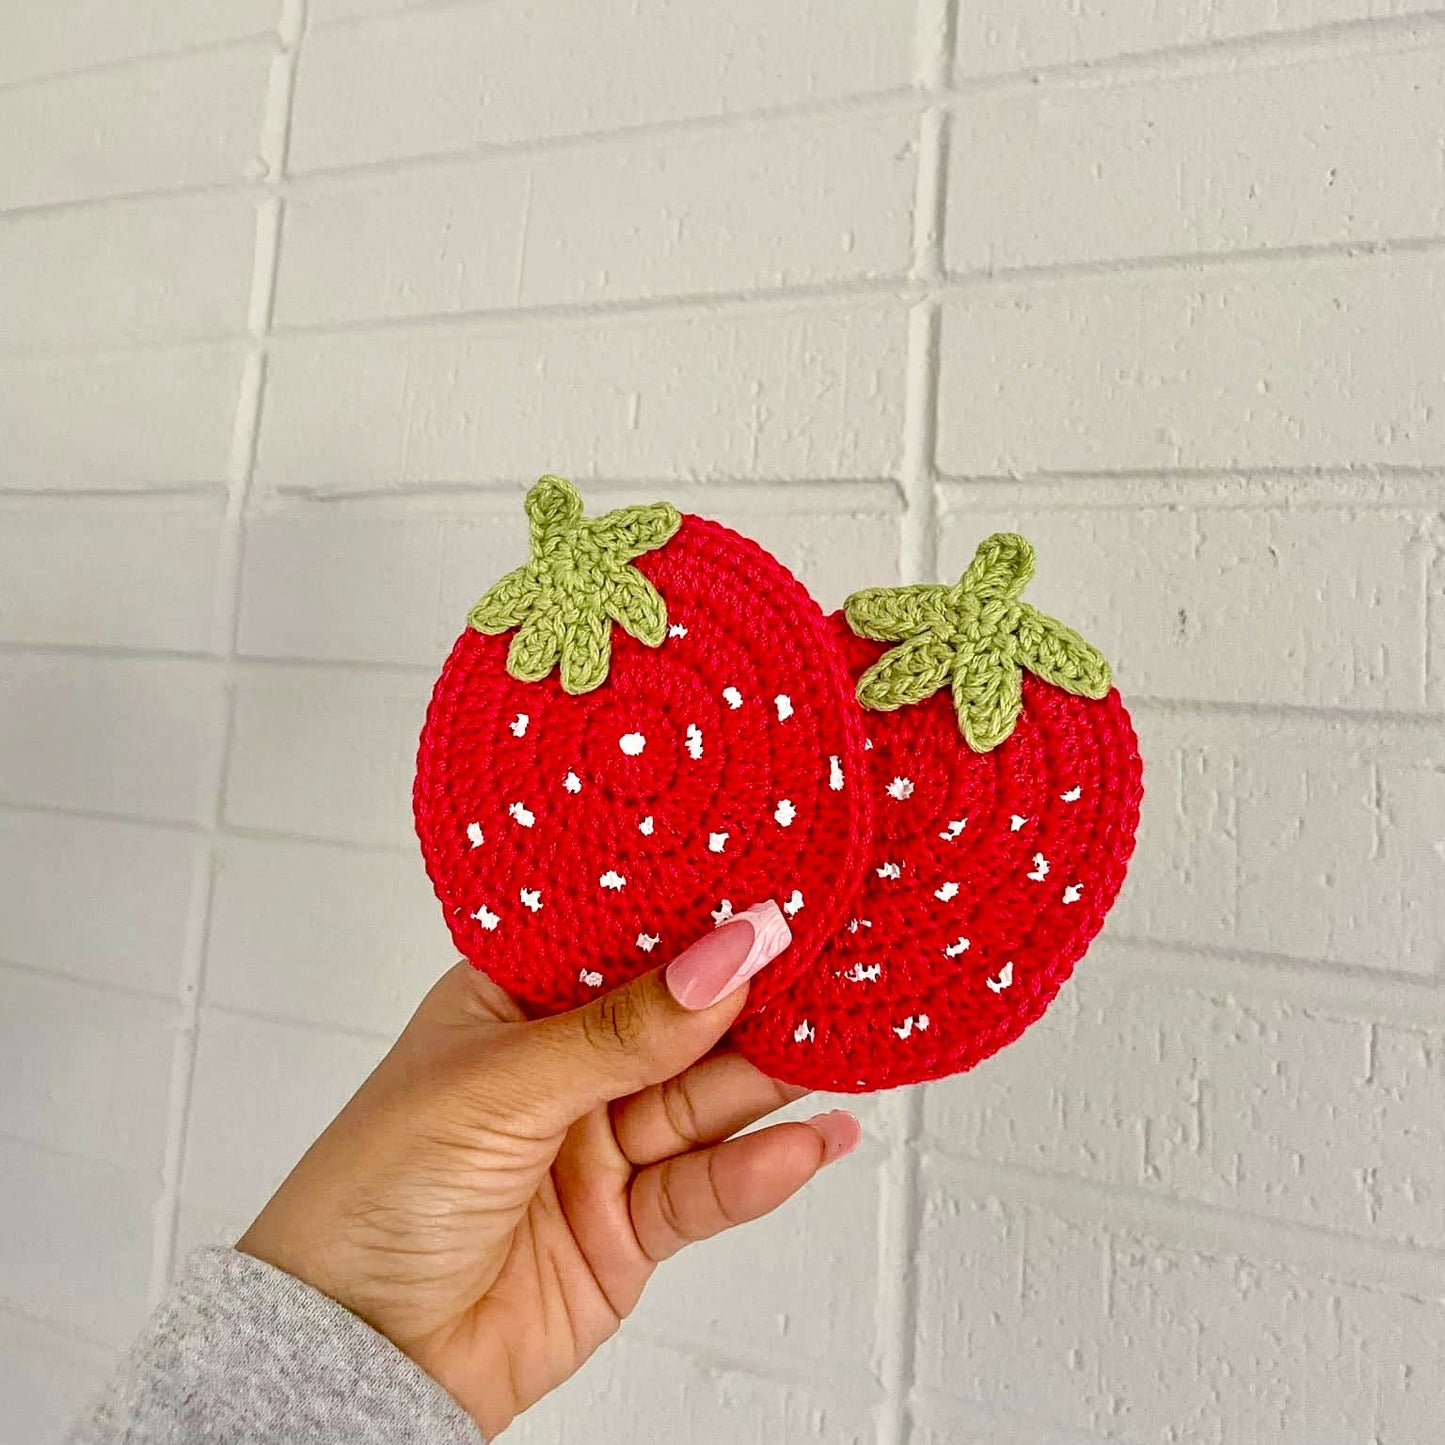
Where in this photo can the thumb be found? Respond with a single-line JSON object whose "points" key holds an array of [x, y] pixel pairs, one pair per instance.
{"points": [[654, 1027]]}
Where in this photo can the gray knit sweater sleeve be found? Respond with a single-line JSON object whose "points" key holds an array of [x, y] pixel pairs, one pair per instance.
{"points": [[240, 1352]]}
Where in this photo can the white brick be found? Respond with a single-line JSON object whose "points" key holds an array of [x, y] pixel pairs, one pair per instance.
{"points": [[935, 1421], [293, 1081], [307, 573], [329, 12], [95, 900], [76, 34], [832, 553], [96, 575], [1185, 603], [632, 1390], [825, 201], [1320, 364], [115, 736], [183, 121], [46, 1377], [127, 271], [793, 203], [198, 1227], [329, 756], [1343, 857], [372, 589], [85, 1071], [813, 393], [434, 240], [324, 935], [1300, 1114], [132, 422], [75, 1242], [461, 76], [997, 36], [1066, 1322], [1287, 837], [796, 1285], [1231, 161]]}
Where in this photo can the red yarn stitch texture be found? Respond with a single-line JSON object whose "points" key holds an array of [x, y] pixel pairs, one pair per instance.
{"points": [[902, 993], [560, 935]]}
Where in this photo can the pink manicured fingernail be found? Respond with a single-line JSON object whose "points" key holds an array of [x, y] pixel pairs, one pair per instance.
{"points": [[841, 1133], [716, 964]]}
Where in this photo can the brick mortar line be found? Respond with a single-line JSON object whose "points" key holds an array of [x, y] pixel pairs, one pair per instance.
{"points": [[1391, 488], [274, 140], [816, 300], [1182, 1223], [131, 62], [1268, 49]]}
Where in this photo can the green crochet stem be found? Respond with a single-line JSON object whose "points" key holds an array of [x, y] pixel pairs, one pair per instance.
{"points": [[976, 638], [578, 582]]}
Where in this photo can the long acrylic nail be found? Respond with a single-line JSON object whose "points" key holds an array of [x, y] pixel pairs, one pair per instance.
{"points": [[728, 956]]}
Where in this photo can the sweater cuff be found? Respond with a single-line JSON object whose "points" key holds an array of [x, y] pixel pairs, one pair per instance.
{"points": [[241, 1352]]}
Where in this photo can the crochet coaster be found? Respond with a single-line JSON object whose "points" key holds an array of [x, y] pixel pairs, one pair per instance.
{"points": [[641, 730], [1006, 782]]}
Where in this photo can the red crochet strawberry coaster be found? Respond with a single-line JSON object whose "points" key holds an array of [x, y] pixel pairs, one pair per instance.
{"points": [[643, 729], [1006, 784]]}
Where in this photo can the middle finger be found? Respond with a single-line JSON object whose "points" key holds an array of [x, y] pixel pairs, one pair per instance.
{"points": [[709, 1101]]}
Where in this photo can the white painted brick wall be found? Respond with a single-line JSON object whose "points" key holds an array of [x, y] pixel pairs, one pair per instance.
{"points": [[298, 293]]}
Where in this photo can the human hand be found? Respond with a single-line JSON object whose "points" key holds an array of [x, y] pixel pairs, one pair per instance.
{"points": [[495, 1196]]}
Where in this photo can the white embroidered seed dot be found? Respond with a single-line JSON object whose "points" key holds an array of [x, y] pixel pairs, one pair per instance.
{"points": [[1016, 822], [613, 880], [519, 724], [716, 842], [572, 783], [803, 1033], [1041, 868], [1073, 893], [1004, 979], [632, 743], [864, 973], [835, 774], [523, 814], [591, 978], [1073, 795], [784, 705], [648, 941], [889, 870], [487, 918], [722, 912], [953, 950], [953, 830], [532, 898], [676, 629], [645, 826], [867, 745], [900, 788], [785, 812], [733, 698], [947, 892], [854, 924], [694, 740], [794, 905], [474, 835], [919, 1022]]}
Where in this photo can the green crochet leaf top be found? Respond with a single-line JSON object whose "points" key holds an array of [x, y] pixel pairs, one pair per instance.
{"points": [[976, 638], [578, 582]]}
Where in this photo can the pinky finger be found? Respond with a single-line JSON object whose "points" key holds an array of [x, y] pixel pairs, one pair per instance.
{"points": [[696, 1195]]}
